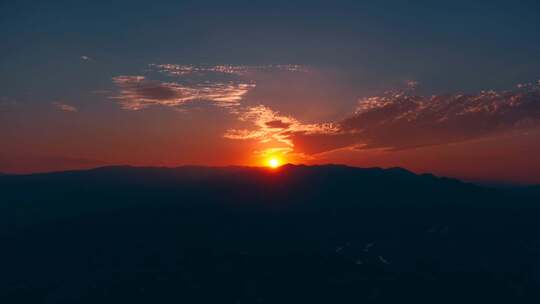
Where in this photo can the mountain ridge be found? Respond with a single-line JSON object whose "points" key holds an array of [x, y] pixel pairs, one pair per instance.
{"points": [[288, 166], [189, 168], [320, 186], [291, 235]]}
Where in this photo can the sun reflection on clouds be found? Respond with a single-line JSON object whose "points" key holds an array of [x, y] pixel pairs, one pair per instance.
{"points": [[394, 120], [275, 133], [272, 126]]}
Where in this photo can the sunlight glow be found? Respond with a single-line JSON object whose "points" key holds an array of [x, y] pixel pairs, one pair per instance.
{"points": [[274, 162]]}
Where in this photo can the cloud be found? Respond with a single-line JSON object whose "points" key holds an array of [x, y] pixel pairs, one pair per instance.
{"points": [[85, 58], [222, 85], [394, 120], [237, 70], [65, 107], [138, 92], [277, 124], [268, 125], [401, 120]]}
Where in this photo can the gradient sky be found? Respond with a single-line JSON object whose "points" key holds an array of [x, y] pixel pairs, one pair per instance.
{"points": [[448, 87]]}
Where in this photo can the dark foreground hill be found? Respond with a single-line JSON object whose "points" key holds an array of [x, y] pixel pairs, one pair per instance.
{"points": [[298, 234]]}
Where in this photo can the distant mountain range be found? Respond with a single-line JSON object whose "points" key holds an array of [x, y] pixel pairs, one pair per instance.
{"points": [[329, 185], [297, 234]]}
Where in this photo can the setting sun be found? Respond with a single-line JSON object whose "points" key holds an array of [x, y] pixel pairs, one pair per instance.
{"points": [[274, 163]]}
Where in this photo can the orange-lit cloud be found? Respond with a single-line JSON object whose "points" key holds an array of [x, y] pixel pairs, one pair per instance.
{"points": [[400, 120], [269, 125]]}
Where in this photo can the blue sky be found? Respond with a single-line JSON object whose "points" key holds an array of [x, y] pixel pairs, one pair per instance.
{"points": [[446, 45]]}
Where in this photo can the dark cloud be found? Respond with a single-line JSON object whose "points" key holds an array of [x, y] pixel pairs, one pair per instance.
{"points": [[404, 120], [277, 124]]}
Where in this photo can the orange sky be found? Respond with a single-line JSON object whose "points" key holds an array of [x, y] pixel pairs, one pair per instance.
{"points": [[243, 115]]}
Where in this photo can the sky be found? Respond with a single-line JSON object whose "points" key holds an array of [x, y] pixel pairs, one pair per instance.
{"points": [[446, 87]]}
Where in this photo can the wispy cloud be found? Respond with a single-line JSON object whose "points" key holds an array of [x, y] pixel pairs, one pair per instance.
{"points": [[238, 70], [138, 92], [85, 58], [65, 107], [222, 85]]}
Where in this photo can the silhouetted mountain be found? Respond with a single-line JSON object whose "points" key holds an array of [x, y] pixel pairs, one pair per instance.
{"points": [[297, 234]]}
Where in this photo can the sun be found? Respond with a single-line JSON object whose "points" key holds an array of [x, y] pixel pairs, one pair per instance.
{"points": [[274, 162]]}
